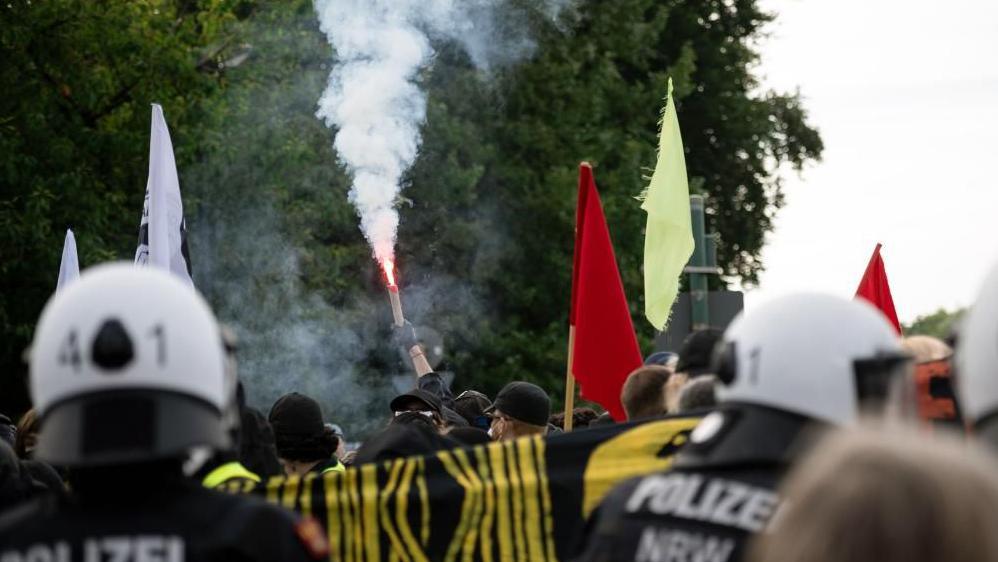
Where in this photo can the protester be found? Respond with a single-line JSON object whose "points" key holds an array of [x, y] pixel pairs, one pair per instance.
{"points": [[665, 359], [698, 394], [426, 379], [977, 361], [520, 409], [341, 447], [26, 435], [887, 497], [471, 405], [258, 448], [304, 443], [796, 363], [403, 439], [603, 419], [420, 402], [926, 348], [469, 436], [643, 393], [581, 418], [695, 357], [934, 387], [127, 374]]}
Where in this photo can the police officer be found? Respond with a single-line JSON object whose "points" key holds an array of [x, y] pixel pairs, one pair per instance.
{"points": [[127, 375], [796, 362], [977, 363]]}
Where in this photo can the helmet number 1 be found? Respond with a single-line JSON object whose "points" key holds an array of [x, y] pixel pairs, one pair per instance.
{"points": [[70, 352], [159, 333]]}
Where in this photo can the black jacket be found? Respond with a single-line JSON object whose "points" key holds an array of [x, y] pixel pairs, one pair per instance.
{"points": [[721, 490], [157, 515]]}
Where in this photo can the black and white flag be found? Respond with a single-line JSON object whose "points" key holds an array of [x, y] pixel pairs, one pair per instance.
{"points": [[69, 268], [162, 232]]}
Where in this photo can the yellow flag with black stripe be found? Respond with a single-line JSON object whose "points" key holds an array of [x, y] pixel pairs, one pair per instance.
{"points": [[523, 500]]}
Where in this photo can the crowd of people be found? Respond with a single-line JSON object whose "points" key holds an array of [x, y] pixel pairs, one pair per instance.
{"points": [[824, 436]]}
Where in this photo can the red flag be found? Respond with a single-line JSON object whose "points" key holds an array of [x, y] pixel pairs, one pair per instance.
{"points": [[875, 289], [606, 349]]}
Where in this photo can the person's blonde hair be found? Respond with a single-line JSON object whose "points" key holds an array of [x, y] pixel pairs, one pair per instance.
{"points": [[522, 429], [926, 348], [866, 495]]}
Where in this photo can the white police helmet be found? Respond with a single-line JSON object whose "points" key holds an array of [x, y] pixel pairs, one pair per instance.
{"points": [[977, 354], [127, 365], [818, 356]]}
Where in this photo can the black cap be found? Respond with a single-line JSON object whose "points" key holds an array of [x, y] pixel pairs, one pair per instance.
{"points": [[523, 401], [697, 350], [471, 404], [298, 427], [431, 400], [296, 413]]}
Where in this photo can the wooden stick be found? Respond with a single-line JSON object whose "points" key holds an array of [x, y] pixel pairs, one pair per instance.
{"points": [[393, 297], [569, 382]]}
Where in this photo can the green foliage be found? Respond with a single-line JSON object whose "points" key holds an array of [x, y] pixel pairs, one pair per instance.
{"points": [[938, 324], [78, 77], [485, 242]]}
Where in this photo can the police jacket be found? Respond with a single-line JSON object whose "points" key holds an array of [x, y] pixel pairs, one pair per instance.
{"points": [[130, 514], [720, 491], [230, 477]]}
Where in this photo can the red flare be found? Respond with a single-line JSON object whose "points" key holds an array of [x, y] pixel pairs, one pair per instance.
{"points": [[389, 267]]}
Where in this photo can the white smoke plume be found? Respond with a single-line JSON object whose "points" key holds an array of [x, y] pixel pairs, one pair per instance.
{"points": [[373, 98]]}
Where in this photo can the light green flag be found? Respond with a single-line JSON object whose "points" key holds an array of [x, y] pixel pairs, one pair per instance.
{"points": [[669, 234]]}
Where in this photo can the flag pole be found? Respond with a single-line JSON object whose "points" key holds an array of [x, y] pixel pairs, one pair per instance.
{"points": [[569, 382]]}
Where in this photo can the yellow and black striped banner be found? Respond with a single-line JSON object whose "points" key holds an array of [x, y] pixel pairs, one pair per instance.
{"points": [[518, 501]]}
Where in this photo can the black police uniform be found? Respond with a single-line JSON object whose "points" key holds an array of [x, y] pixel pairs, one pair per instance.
{"points": [[720, 492], [160, 516]]}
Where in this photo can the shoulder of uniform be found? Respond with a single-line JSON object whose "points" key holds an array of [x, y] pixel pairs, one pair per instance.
{"points": [[252, 519], [27, 512]]}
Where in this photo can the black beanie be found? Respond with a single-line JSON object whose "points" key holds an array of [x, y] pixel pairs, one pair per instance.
{"points": [[299, 432]]}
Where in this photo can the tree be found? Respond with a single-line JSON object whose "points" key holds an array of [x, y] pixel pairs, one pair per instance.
{"points": [[78, 78], [938, 324], [485, 241], [592, 92]]}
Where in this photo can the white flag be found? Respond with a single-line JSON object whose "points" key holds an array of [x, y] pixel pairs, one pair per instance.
{"points": [[162, 232], [69, 269]]}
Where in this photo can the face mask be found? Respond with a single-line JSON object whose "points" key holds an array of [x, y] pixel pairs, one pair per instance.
{"points": [[423, 412], [490, 433]]}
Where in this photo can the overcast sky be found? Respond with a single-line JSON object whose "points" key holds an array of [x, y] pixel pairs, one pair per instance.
{"points": [[905, 94]]}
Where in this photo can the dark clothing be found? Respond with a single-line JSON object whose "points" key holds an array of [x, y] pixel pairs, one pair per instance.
{"points": [[44, 475], [403, 440], [437, 386], [431, 402], [257, 448], [469, 436], [8, 431], [602, 419], [682, 515], [720, 492], [332, 465], [162, 517], [299, 433], [523, 401]]}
